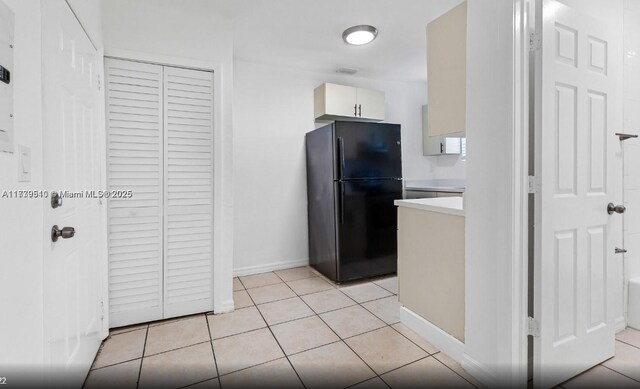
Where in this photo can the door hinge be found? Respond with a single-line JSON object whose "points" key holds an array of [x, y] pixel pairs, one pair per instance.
{"points": [[99, 82], [535, 42], [101, 310], [533, 327], [534, 184]]}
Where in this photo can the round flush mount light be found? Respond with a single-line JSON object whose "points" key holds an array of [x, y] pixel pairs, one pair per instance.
{"points": [[360, 35]]}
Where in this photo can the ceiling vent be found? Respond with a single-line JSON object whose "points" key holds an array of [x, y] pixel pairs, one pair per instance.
{"points": [[347, 70]]}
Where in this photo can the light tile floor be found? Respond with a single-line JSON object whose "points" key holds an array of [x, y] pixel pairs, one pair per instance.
{"points": [[294, 329]]}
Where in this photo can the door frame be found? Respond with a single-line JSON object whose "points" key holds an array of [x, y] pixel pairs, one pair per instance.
{"points": [[222, 182], [523, 26]]}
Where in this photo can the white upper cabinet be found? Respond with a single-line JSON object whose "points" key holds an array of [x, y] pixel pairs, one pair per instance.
{"points": [[447, 72], [340, 102]]}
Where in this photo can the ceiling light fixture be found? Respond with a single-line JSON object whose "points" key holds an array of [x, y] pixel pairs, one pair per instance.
{"points": [[360, 35]]}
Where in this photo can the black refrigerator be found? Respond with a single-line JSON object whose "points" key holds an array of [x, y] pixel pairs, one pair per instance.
{"points": [[354, 173]]}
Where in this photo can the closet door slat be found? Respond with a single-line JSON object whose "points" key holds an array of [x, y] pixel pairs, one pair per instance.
{"points": [[134, 110], [188, 191]]}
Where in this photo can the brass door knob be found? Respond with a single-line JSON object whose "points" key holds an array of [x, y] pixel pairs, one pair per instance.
{"points": [[65, 233]]}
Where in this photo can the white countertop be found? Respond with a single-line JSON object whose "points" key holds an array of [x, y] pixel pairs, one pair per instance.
{"points": [[449, 205]]}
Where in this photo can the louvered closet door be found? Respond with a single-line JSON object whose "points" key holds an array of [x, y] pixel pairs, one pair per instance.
{"points": [[188, 205], [135, 162]]}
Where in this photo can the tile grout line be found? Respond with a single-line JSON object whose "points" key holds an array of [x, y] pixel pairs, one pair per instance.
{"points": [[215, 361], [296, 295], [616, 371], [274, 335], [341, 339], [455, 372], [146, 335], [429, 354], [627, 343], [391, 325]]}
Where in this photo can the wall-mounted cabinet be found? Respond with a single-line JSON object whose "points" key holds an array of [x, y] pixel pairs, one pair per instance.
{"points": [[450, 144], [341, 102], [447, 72]]}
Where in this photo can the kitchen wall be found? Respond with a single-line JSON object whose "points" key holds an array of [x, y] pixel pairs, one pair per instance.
{"points": [[272, 111], [188, 31]]}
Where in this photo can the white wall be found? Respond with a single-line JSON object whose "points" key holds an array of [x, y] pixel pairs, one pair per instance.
{"points": [[631, 147], [273, 109], [89, 12], [21, 244], [489, 343], [187, 31]]}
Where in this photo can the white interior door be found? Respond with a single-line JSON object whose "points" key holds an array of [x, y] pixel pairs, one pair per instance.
{"points": [[578, 161], [72, 162]]}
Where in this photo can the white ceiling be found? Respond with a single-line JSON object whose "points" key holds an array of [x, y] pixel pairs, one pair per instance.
{"points": [[307, 34]]}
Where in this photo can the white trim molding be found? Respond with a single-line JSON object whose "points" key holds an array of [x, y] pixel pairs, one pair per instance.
{"points": [[248, 270], [523, 19], [444, 342], [479, 372]]}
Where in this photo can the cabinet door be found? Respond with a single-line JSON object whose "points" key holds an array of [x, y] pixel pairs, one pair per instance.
{"points": [[371, 104], [340, 100], [447, 72]]}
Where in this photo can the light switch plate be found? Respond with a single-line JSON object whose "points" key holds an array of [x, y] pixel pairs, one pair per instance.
{"points": [[24, 164]]}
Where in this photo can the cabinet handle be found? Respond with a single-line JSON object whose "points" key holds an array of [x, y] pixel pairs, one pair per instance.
{"points": [[360, 110], [355, 110]]}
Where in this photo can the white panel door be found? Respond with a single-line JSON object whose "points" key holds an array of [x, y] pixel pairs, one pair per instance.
{"points": [[72, 162], [188, 205], [135, 163], [578, 162]]}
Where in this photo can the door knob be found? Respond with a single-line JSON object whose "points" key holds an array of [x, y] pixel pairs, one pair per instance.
{"points": [[65, 233], [615, 208], [620, 251]]}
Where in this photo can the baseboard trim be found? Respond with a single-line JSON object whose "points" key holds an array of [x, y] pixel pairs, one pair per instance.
{"points": [[433, 334], [249, 270], [620, 324], [479, 372], [224, 307]]}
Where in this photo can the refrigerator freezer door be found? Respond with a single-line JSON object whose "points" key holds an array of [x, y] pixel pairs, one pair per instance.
{"points": [[367, 150], [321, 201], [367, 227]]}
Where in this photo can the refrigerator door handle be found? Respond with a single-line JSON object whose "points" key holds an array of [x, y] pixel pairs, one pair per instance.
{"points": [[341, 204], [341, 157]]}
